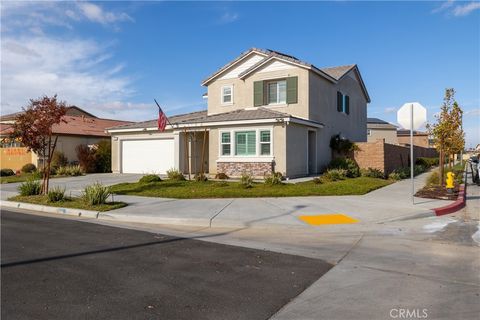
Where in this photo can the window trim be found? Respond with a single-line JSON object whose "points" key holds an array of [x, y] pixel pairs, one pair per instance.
{"points": [[225, 143], [233, 156], [276, 81], [222, 95], [344, 104]]}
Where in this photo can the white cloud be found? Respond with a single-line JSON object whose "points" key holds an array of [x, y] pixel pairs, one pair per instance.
{"points": [[229, 17], [463, 10], [95, 13], [444, 6], [472, 112], [77, 70]]}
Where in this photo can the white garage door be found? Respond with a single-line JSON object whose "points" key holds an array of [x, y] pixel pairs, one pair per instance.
{"points": [[147, 156]]}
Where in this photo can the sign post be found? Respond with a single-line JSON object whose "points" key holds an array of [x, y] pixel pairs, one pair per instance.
{"points": [[412, 116]]}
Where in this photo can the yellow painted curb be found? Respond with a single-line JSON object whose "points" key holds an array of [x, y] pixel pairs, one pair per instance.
{"points": [[318, 220]]}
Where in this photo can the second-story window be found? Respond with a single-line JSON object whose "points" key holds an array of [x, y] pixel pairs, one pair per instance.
{"points": [[227, 94], [343, 103], [277, 92]]}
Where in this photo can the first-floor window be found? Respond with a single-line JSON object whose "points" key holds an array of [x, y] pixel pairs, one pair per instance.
{"points": [[226, 144], [265, 143], [245, 143]]}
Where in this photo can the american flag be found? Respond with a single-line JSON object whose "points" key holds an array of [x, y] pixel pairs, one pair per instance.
{"points": [[162, 120]]}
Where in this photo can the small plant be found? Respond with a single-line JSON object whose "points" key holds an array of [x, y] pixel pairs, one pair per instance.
{"points": [[6, 172], [174, 174], [149, 178], [348, 164], [433, 178], [372, 173], [69, 171], [222, 176], [335, 174], [427, 162], [246, 180], [30, 187], [200, 177], [96, 194], [403, 172], [272, 179], [56, 194], [317, 180], [59, 159], [29, 168], [395, 176]]}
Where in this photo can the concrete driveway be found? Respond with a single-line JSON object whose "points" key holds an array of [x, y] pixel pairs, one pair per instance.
{"points": [[76, 184]]}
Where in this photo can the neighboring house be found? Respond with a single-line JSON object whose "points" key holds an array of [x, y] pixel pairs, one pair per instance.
{"points": [[420, 139], [80, 127], [267, 111], [379, 129]]}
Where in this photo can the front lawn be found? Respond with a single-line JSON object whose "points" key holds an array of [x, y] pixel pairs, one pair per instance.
{"points": [[75, 203], [223, 189], [20, 178]]}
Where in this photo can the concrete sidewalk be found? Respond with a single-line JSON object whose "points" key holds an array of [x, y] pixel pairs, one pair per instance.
{"points": [[386, 204]]}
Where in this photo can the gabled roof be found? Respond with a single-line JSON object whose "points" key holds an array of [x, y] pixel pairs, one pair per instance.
{"points": [[201, 117], [71, 111], [73, 125], [375, 123], [403, 132], [333, 74]]}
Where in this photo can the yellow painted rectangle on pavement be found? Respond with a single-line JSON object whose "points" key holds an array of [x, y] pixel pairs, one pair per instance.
{"points": [[337, 218]]}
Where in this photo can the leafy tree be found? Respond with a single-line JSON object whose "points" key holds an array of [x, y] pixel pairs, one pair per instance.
{"points": [[34, 127], [447, 131]]}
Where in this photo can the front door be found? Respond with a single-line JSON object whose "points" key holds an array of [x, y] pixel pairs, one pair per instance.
{"points": [[312, 152]]}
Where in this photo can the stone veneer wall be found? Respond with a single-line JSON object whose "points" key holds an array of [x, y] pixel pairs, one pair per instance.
{"points": [[387, 157], [235, 169]]}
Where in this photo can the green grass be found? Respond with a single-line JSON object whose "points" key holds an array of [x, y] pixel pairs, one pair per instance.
{"points": [[25, 176], [221, 189], [75, 203]]}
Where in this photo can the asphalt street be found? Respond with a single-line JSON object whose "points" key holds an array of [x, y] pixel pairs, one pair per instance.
{"points": [[63, 269]]}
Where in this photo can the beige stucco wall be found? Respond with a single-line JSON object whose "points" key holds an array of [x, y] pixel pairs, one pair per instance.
{"points": [[390, 135], [68, 144], [243, 92]]}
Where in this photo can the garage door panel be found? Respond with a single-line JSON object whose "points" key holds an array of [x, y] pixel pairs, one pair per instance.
{"points": [[148, 155]]}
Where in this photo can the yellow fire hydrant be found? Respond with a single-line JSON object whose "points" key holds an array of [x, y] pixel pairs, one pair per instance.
{"points": [[450, 181]]}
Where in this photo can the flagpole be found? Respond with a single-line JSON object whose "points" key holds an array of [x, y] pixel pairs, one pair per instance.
{"points": [[160, 109]]}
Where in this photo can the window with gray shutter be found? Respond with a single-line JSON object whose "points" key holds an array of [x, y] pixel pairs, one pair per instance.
{"points": [[292, 90], [258, 99]]}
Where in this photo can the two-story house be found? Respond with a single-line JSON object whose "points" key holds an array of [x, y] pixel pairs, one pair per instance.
{"points": [[267, 111]]}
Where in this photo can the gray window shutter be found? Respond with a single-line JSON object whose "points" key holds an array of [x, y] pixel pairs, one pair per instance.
{"points": [[339, 101], [347, 104], [258, 93], [292, 90]]}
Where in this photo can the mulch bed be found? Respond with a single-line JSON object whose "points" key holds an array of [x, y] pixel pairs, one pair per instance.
{"points": [[437, 192]]}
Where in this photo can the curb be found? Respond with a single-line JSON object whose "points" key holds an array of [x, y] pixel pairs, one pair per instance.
{"points": [[457, 205], [57, 210]]}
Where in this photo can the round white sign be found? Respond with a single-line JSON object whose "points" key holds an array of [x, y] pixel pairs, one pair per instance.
{"points": [[404, 116]]}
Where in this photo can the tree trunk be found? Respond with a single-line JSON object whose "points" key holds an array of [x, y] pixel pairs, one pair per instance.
{"points": [[442, 164], [49, 164]]}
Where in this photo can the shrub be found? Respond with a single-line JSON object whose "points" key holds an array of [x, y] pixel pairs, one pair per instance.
{"points": [[342, 145], [149, 178], [70, 171], [418, 169], [56, 194], [174, 174], [221, 176], [59, 159], [103, 156], [403, 172], [30, 187], [86, 158], [29, 168], [200, 177], [6, 172], [273, 178], [335, 174], [246, 180], [317, 180], [372, 173], [96, 194], [427, 162], [394, 176], [433, 178], [348, 164]]}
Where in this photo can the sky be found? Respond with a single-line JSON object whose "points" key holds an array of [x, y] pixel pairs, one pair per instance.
{"points": [[114, 58]]}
